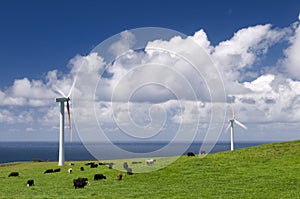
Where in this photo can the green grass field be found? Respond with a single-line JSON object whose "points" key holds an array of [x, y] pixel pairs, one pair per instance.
{"points": [[266, 171]]}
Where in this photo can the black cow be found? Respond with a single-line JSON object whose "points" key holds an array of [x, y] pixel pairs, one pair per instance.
{"points": [[56, 170], [90, 163], [129, 171], [13, 174], [125, 165], [190, 154], [49, 171], [99, 177], [101, 163], [81, 169], [135, 162], [94, 165], [30, 183], [80, 182]]}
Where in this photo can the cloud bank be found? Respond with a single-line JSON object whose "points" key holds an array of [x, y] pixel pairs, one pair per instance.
{"points": [[263, 94]]}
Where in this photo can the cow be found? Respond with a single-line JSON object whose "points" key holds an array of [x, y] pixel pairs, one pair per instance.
{"points": [[99, 177], [101, 163], [203, 152], [90, 163], [80, 182], [81, 169], [56, 170], [49, 171], [30, 183], [190, 154], [13, 174], [125, 165], [110, 165], [135, 162], [70, 170], [94, 165], [119, 176], [149, 162], [129, 171]]}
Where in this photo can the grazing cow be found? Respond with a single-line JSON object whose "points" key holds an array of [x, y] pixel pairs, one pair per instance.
{"points": [[94, 165], [56, 170], [119, 176], [81, 169], [151, 161], [70, 170], [203, 152], [90, 163], [190, 154], [125, 165], [110, 165], [80, 182], [49, 171], [13, 174], [101, 163], [129, 171], [71, 164], [99, 177], [134, 162], [30, 183]]}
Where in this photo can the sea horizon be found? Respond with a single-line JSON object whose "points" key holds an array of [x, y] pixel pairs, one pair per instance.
{"points": [[16, 151]]}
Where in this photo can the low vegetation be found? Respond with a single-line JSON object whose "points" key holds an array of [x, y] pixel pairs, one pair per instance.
{"points": [[266, 171]]}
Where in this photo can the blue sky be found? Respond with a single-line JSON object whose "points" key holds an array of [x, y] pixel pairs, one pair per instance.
{"points": [[38, 37]]}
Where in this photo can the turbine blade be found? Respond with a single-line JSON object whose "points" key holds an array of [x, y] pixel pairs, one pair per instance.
{"points": [[232, 108], [72, 87], [56, 89], [240, 124], [70, 122], [228, 127]]}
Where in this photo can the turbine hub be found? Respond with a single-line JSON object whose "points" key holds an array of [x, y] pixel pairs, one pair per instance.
{"points": [[62, 99]]}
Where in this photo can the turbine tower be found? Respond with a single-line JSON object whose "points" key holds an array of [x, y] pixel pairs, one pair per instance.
{"points": [[62, 100], [61, 155], [232, 121]]}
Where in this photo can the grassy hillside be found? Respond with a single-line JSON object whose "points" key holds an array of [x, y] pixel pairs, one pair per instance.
{"points": [[267, 171]]}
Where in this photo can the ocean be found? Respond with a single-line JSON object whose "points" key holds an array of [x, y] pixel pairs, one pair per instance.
{"points": [[48, 151]]}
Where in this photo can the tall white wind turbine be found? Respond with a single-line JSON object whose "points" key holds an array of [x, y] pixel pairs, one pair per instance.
{"points": [[231, 121], [62, 100]]}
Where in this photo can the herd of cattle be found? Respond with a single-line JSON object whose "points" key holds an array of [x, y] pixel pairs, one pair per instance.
{"points": [[82, 182]]}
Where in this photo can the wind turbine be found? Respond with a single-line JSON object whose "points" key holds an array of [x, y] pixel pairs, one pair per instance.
{"points": [[231, 121], [62, 100]]}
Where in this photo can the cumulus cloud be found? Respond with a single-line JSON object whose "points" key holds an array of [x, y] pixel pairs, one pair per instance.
{"points": [[157, 89], [292, 61], [244, 49], [124, 44]]}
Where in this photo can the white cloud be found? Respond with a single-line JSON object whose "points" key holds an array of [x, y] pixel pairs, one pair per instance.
{"points": [[146, 85], [261, 84], [244, 49], [126, 41], [13, 116], [292, 61]]}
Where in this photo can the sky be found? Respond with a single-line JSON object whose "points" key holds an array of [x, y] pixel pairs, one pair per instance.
{"points": [[147, 93]]}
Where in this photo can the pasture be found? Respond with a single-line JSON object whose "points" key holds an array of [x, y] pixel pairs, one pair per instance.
{"points": [[266, 171]]}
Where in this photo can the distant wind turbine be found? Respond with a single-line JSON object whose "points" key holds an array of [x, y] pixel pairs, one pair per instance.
{"points": [[62, 100], [231, 121]]}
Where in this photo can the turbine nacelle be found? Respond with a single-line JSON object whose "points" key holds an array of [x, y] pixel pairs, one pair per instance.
{"points": [[62, 99]]}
